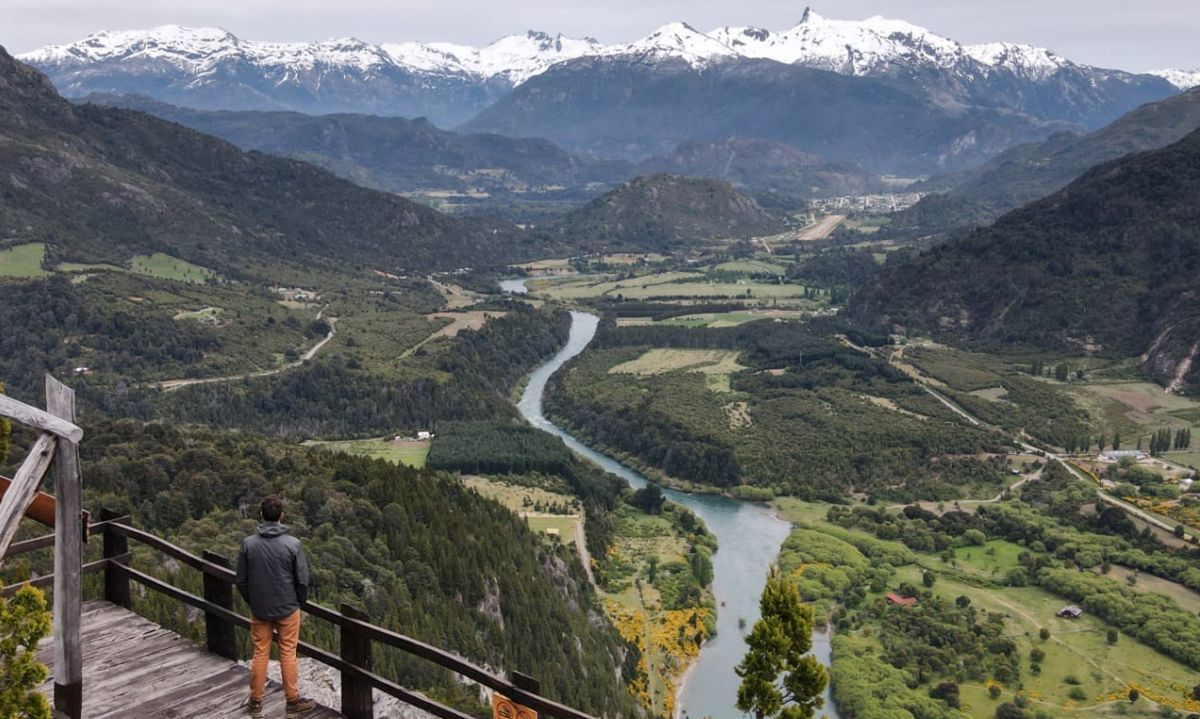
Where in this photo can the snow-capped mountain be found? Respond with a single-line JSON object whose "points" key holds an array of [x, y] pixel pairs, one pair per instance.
{"points": [[1182, 79], [211, 68]]}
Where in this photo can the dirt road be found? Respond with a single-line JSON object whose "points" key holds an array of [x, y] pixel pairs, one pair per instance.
{"points": [[174, 384], [821, 229]]}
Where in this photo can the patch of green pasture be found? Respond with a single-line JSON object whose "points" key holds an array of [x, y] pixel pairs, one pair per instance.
{"points": [[166, 267], [412, 454], [993, 559], [23, 260]]}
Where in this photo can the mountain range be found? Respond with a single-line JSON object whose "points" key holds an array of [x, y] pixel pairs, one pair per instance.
{"points": [[1109, 264], [1015, 92], [1026, 172], [393, 153], [103, 184]]}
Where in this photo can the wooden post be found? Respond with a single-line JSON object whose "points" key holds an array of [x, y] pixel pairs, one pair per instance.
{"points": [[116, 583], [68, 549], [357, 700], [218, 632]]}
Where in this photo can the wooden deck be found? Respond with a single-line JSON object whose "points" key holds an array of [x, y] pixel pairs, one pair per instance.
{"points": [[135, 669]]}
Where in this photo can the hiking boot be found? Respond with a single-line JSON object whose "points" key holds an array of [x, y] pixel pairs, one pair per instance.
{"points": [[254, 708], [300, 707]]}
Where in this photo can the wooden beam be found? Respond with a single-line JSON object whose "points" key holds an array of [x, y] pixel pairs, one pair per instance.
{"points": [[40, 510], [68, 561], [38, 419], [21, 492]]}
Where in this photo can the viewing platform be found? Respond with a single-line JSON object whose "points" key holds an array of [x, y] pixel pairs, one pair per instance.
{"points": [[107, 661], [135, 669]]}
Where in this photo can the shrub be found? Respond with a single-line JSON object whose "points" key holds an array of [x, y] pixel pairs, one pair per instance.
{"points": [[23, 622], [1078, 694]]}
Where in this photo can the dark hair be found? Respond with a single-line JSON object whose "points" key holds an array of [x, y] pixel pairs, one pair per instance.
{"points": [[272, 508]]}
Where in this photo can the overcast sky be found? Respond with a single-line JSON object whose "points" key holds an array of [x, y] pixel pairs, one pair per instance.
{"points": [[1138, 35]]}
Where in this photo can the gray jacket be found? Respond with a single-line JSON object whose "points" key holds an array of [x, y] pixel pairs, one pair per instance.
{"points": [[272, 572]]}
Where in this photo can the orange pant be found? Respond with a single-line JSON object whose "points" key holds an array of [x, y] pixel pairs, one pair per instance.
{"points": [[289, 637]]}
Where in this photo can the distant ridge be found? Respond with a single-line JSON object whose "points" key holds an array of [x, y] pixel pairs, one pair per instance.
{"points": [[211, 68]]}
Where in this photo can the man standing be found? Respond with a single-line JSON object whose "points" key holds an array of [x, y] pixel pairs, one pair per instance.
{"points": [[272, 575]]}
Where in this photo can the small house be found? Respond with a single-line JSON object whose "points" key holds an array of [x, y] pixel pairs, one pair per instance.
{"points": [[1070, 612], [553, 532], [899, 601], [424, 435]]}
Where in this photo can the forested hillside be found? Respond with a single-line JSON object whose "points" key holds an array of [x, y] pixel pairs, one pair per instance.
{"points": [[1107, 265], [101, 185], [664, 212], [392, 153], [1027, 172], [801, 414], [417, 550], [763, 165]]}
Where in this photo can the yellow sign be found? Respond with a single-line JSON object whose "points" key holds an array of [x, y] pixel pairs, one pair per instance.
{"points": [[505, 708]]}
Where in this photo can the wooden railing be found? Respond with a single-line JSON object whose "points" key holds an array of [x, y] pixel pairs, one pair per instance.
{"points": [[356, 635]]}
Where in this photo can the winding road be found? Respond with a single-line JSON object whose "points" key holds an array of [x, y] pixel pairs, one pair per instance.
{"points": [[174, 384], [1020, 441]]}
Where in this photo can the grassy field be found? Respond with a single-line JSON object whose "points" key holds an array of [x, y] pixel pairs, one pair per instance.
{"points": [[728, 319], [23, 261], [525, 500], [1137, 408], [1076, 649], [716, 365], [208, 314], [664, 285], [756, 267], [410, 453], [1078, 655], [991, 560], [166, 267]]}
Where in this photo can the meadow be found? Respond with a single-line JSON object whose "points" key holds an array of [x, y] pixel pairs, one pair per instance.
{"points": [[411, 453], [23, 261]]}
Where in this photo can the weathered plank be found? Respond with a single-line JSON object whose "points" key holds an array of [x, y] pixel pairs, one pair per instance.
{"points": [[135, 669], [23, 488], [68, 553], [39, 419]]}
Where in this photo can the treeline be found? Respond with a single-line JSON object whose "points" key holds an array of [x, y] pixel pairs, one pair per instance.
{"points": [[865, 686], [824, 419], [419, 552], [470, 378], [1152, 618], [504, 447], [652, 437]]}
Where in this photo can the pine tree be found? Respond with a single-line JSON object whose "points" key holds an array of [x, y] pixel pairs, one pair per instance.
{"points": [[1116, 440], [781, 679]]}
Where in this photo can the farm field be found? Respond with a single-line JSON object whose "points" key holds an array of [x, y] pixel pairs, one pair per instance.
{"points": [[715, 365], [752, 267], [166, 267], [670, 285], [1082, 675], [541, 508], [407, 452], [714, 319], [1136, 408], [23, 261]]}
